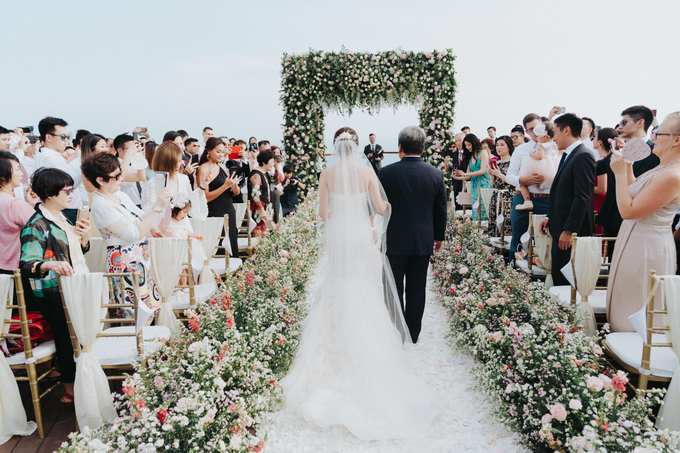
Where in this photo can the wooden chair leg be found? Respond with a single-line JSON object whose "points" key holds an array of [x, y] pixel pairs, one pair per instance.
{"points": [[35, 396]]}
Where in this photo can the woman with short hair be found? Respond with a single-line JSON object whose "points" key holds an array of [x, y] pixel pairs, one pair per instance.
{"points": [[52, 246], [505, 148], [258, 192], [124, 227]]}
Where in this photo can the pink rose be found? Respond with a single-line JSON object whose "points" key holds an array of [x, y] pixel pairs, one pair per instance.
{"points": [[496, 336], [575, 404], [508, 389], [606, 382], [594, 384], [546, 419], [283, 260], [463, 270], [159, 382], [597, 349], [558, 412]]}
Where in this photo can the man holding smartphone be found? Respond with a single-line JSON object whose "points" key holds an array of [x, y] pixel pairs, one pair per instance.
{"points": [[241, 168]]}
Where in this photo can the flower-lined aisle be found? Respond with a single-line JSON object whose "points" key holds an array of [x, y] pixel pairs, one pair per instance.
{"points": [[550, 382], [208, 387], [465, 426]]}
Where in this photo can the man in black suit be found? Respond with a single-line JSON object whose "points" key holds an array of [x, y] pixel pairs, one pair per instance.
{"points": [[417, 194], [571, 194], [456, 160], [634, 123], [374, 153]]}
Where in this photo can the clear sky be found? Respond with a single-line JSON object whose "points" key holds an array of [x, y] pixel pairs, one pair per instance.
{"points": [[166, 64]]}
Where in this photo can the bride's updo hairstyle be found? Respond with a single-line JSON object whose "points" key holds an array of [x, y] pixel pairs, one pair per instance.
{"points": [[345, 141]]}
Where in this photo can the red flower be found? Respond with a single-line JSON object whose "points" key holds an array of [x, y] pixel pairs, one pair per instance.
{"points": [[162, 415], [193, 323]]}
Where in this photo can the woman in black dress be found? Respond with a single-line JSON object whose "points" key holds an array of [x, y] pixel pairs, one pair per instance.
{"points": [[222, 187], [504, 148], [258, 192]]}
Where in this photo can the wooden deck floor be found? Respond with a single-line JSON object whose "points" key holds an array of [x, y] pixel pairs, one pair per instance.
{"points": [[58, 423]]}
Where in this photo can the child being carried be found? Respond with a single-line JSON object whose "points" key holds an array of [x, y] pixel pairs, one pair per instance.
{"points": [[544, 161]]}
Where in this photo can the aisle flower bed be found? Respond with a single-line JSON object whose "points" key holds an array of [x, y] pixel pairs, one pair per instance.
{"points": [[207, 388], [548, 380]]}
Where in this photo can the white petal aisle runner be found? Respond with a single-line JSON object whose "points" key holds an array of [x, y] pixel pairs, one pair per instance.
{"points": [[467, 426]]}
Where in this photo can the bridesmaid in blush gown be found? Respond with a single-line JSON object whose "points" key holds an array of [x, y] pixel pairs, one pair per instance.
{"points": [[645, 240]]}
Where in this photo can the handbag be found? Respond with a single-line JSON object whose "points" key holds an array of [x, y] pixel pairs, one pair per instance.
{"points": [[38, 329]]}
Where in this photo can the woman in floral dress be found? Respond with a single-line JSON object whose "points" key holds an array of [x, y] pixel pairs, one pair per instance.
{"points": [[504, 148], [258, 191]]}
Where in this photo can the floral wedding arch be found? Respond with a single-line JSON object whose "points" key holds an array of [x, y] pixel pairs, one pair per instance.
{"points": [[316, 83]]}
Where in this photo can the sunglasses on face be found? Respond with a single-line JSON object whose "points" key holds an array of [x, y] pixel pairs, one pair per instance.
{"points": [[516, 137], [64, 137], [118, 176]]}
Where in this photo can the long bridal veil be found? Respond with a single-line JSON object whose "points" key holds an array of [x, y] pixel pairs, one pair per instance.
{"points": [[351, 370]]}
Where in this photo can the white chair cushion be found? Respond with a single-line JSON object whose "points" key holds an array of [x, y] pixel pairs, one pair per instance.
{"points": [[597, 300], [496, 242], [201, 294], [628, 347], [243, 242], [535, 270], [39, 352], [218, 264], [123, 350]]}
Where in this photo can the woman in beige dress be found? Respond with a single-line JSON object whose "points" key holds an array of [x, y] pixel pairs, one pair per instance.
{"points": [[645, 241]]}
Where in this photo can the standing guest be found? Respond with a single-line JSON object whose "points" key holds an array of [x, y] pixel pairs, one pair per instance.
{"points": [[645, 242], [258, 191], [374, 153], [54, 135], [489, 146], [252, 144], [69, 153], [540, 197], [505, 148], [28, 161], [635, 122], [456, 161], [465, 130], [124, 227], [52, 246], [517, 135], [491, 130], [184, 135], [601, 143], [241, 167], [126, 146], [289, 199], [275, 182], [417, 194], [587, 136], [5, 138], [222, 186], [475, 163], [571, 194], [207, 133]]}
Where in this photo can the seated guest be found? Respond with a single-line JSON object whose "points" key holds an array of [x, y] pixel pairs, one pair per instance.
{"points": [[648, 205], [291, 184], [124, 227], [258, 191], [505, 148], [52, 246]]}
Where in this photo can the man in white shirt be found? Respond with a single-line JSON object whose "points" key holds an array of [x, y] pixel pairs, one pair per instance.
{"points": [[55, 137], [540, 197], [207, 133], [491, 130], [587, 136], [125, 145]]}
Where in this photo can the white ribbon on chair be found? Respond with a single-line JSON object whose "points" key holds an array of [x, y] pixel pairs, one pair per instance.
{"points": [[542, 247], [167, 255], [240, 209], [96, 256], [587, 259], [12, 414], [669, 414], [83, 295], [210, 229], [486, 195]]}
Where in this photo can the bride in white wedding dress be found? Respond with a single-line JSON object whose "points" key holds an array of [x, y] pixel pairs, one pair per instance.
{"points": [[350, 369]]}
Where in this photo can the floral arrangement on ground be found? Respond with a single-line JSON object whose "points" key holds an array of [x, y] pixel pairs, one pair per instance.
{"points": [[207, 388], [317, 82], [549, 380]]}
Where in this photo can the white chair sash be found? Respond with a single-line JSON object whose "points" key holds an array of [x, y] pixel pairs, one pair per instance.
{"points": [[83, 295], [210, 229], [240, 212], [12, 414], [587, 261], [96, 256], [486, 195], [669, 414], [542, 250], [167, 255]]}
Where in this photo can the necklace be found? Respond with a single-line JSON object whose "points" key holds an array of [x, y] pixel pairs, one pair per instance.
{"points": [[108, 198]]}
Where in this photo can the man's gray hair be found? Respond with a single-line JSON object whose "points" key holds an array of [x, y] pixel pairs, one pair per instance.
{"points": [[459, 133], [412, 140]]}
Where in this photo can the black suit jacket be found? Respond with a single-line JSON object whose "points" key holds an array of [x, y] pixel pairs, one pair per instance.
{"points": [[457, 184], [609, 216], [571, 195], [417, 194], [378, 153]]}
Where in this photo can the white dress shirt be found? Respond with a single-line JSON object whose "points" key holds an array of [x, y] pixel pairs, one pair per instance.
{"points": [[589, 144], [519, 157], [49, 158], [570, 149]]}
